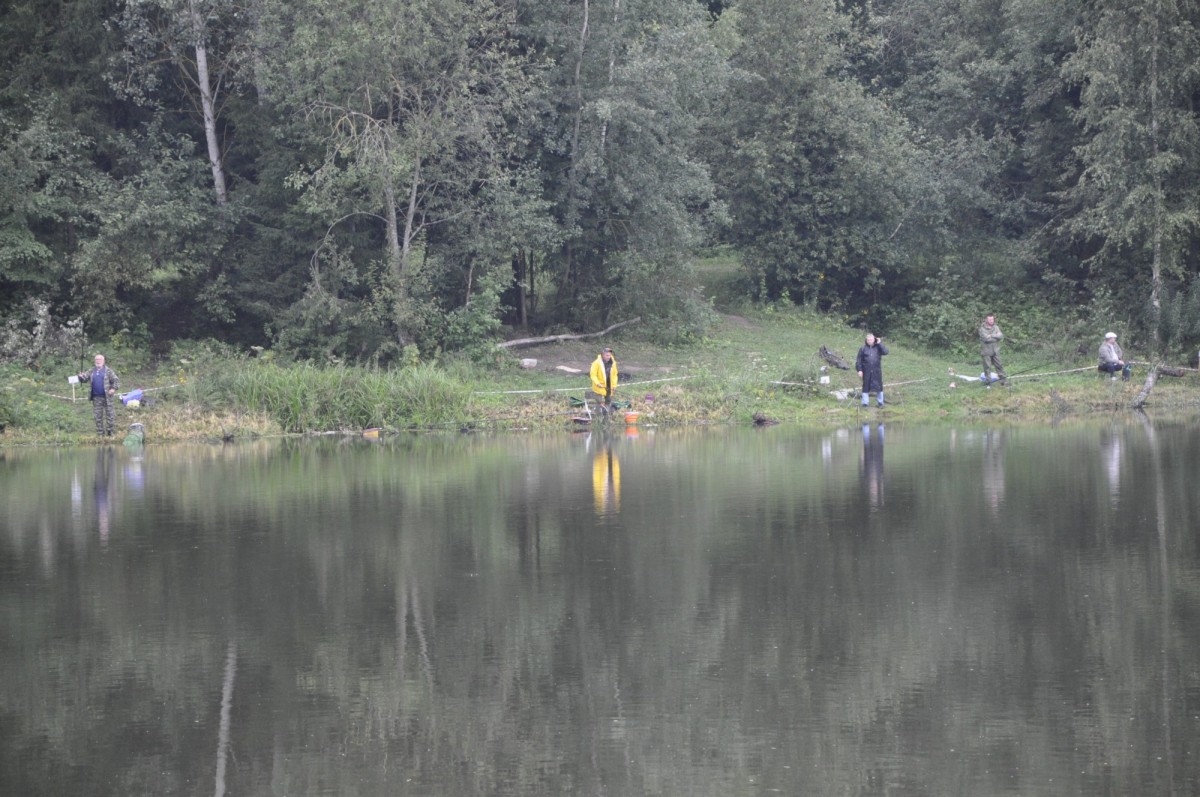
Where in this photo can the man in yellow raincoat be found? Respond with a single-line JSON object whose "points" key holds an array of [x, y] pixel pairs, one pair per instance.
{"points": [[604, 377]]}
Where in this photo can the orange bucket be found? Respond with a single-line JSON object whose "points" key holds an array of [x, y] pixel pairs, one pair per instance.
{"points": [[631, 417]]}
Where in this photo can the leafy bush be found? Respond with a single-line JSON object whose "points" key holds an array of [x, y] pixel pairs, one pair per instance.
{"points": [[37, 336], [945, 314], [1181, 318], [8, 410], [670, 301], [203, 353], [473, 329], [29, 400]]}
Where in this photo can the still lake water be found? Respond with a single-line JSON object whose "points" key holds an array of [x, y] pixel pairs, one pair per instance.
{"points": [[909, 611]]}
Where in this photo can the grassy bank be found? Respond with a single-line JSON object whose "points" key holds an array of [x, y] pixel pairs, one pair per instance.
{"points": [[760, 362]]}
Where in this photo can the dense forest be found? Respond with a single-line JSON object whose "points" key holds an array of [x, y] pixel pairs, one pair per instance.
{"points": [[385, 179]]}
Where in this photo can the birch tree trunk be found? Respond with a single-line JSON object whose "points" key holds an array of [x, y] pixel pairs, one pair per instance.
{"points": [[395, 254], [573, 177], [410, 220], [208, 105], [1157, 223]]}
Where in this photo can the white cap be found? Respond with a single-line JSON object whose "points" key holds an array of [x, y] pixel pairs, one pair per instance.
{"points": [[1108, 335]]}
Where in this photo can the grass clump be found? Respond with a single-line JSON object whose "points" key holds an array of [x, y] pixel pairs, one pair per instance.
{"points": [[308, 398]]}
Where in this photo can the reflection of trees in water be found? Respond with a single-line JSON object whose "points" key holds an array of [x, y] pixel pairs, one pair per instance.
{"points": [[454, 628], [224, 728]]}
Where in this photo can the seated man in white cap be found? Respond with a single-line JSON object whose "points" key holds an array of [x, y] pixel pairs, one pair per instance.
{"points": [[1112, 358]]}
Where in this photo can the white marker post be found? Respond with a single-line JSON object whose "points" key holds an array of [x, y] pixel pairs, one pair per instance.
{"points": [[73, 380]]}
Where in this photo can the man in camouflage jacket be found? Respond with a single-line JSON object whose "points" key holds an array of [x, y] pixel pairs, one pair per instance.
{"points": [[103, 386], [989, 340]]}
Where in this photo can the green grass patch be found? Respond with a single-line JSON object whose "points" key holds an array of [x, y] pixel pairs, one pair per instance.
{"points": [[308, 398]]}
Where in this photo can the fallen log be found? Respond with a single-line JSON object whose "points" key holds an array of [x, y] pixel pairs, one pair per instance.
{"points": [[1144, 394], [834, 359], [520, 342]]}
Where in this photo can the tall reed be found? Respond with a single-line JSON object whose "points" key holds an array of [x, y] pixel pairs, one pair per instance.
{"points": [[308, 398]]}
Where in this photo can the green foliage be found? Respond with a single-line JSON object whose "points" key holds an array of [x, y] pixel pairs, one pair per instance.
{"points": [[629, 93], [669, 299], [8, 410], [387, 161], [471, 330], [1138, 189], [37, 337], [46, 187], [1181, 318], [946, 314], [202, 354], [157, 232], [28, 398], [412, 105], [819, 174]]}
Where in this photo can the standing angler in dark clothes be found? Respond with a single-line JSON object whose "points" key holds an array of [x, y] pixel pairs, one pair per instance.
{"points": [[869, 365]]}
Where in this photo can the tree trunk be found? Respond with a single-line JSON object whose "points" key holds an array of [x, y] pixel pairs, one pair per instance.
{"points": [[470, 282], [573, 174], [1144, 394], [410, 218], [612, 68], [519, 342], [520, 269], [395, 256], [208, 107], [583, 35], [1156, 266]]}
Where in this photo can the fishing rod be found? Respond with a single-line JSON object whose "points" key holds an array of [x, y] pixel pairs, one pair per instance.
{"points": [[1027, 370], [1009, 375], [968, 378]]}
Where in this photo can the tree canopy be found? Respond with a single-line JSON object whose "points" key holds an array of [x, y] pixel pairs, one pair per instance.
{"points": [[360, 180]]}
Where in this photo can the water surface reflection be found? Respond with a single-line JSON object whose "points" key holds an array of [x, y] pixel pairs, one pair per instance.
{"points": [[709, 612]]}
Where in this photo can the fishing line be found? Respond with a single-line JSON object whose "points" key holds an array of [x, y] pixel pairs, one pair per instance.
{"points": [[571, 389]]}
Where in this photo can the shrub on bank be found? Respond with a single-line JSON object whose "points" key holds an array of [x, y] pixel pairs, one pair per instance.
{"points": [[8, 411]]}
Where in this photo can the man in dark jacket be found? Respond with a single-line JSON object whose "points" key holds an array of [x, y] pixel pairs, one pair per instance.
{"points": [[103, 385], [869, 365]]}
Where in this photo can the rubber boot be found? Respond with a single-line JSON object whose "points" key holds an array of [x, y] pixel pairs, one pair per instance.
{"points": [[866, 399], [880, 396]]}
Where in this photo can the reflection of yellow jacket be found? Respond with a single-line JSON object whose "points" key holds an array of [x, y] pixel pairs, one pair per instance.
{"points": [[606, 482], [598, 376]]}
